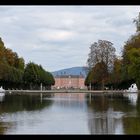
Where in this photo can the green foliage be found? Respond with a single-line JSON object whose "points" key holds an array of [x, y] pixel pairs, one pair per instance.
{"points": [[29, 73], [116, 75], [125, 71], [50, 80], [11, 67], [89, 78], [131, 59], [98, 75], [134, 66], [20, 63], [14, 74], [100, 63], [35, 75], [10, 76]]}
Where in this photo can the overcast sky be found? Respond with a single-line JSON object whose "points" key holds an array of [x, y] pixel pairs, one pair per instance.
{"points": [[59, 37]]}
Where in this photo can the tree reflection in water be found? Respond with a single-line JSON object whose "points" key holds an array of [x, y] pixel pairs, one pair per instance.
{"points": [[117, 116], [131, 123], [13, 103], [100, 115], [18, 103]]}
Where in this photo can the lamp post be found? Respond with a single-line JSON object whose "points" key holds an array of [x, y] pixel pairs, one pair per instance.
{"points": [[90, 86], [41, 86], [41, 93], [69, 81]]}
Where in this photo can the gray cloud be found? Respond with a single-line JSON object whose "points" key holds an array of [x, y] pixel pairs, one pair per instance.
{"points": [[60, 36]]}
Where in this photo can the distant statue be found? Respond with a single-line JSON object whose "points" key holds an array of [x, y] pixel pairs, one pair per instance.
{"points": [[133, 88], [132, 96], [2, 91], [1, 88]]}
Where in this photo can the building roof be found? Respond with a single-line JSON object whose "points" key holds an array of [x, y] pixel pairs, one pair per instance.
{"points": [[69, 76]]}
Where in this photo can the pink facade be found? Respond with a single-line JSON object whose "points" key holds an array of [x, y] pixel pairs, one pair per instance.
{"points": [[69, 81]]}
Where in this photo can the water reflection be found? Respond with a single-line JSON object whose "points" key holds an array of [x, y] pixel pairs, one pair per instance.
{"points": [[13, 103], [102, 118], [1, 98], [131, 122], [113, 115], [68, 114], [4, 127], [133, 97], [70, 100], [74, 113], [13, 109]]}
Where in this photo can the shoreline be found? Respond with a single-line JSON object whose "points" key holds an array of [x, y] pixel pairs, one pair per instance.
{"points": [[68, 91]]}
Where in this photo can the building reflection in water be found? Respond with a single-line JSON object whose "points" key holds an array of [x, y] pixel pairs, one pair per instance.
{"points": [[69, 113], [71, 101]]}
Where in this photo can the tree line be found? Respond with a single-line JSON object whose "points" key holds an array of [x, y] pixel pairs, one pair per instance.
{"points": [[107, 70], [15, 74]]}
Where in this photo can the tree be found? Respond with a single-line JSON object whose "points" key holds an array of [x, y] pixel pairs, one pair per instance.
{"points": [[2, 49], [137, 22], [100, 63], [100, 74], [131, 59], [29, 75], [101, 51], [10, 67], [89, 78], [21, 63], [14, 74], [50, 80], [34, 75], [115, 78], [10, 57], [133, 67]]}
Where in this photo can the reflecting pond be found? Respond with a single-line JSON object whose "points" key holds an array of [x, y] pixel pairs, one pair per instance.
{"points": [[69, 113]]}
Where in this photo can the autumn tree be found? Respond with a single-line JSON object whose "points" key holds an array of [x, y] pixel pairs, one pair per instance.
{"points": [[101, 51], [89, 79], [10, 57], [14, 74], [20, 63], [115, 78], [131, 60], [11, 67], [100, 63]]}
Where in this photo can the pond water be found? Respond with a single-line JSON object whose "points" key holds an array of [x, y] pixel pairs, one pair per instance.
{"points": [[69, 113]]}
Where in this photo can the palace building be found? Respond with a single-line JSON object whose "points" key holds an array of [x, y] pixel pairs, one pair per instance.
{"points": [[69, 82]]}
